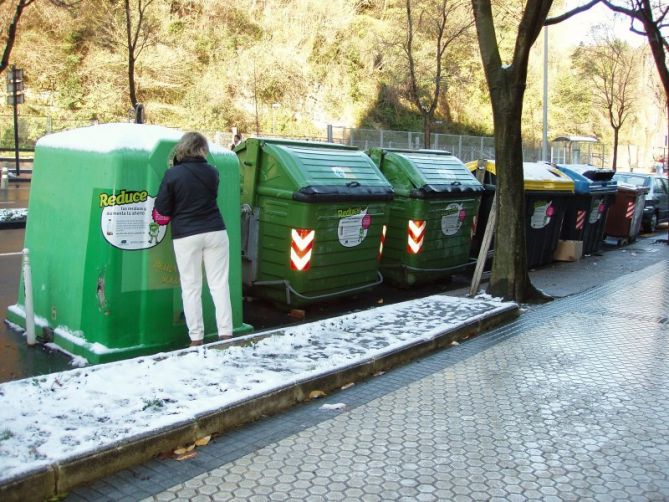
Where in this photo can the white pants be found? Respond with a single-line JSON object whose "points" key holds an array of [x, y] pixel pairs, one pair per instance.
{"points": [[211, 248]]}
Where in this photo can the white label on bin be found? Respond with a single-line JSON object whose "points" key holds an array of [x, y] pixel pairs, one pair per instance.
{"points": [[452, 219], [126, 221], [596, 211], [542, 214], [342, 172], [353, 229]]}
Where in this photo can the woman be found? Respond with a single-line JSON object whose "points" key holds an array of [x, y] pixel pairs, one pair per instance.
{"points": [[188, 194]]}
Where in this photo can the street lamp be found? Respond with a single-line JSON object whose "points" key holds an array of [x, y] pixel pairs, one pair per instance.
{"points": [[15, 97]]}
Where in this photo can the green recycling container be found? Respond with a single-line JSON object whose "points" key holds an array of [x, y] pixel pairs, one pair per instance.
{"points": [[104, 276], [313, 218], [548, 191], [432, 217]]}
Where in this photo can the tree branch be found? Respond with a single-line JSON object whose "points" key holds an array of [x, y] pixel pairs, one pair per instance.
{"points": [[571, 13]]}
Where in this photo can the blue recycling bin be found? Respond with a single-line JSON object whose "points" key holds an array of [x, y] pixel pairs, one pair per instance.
{"points": [[585, 218]]}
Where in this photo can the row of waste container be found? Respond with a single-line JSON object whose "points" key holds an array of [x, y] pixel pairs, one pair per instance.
{"points": [[325, 220], [318, 221]]}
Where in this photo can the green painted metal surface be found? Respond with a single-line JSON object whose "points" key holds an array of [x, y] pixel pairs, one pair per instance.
{"points": [[105, 282], [434, 187], [335, 191]]}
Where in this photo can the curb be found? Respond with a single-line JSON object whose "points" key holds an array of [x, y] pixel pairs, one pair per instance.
{"points": [[58, 478], [6, 225]]}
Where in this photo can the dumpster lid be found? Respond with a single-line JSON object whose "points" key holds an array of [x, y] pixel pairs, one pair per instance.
{"points": [[636, 179], [630, 187], [326, 171], [105, 138], [588, 178], [538, 175], [433, 173], [546, 177]]}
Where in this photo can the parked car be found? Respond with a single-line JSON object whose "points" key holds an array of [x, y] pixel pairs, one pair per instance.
{"points": [[656, 209]]}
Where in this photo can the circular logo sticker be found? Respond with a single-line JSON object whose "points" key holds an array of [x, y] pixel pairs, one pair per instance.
{"points": [[132, 226], [597, 209], [542, 214], [352, 230], [451, 220]]}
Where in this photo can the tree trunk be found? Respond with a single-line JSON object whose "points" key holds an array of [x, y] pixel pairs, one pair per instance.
{"points": [[614, 162], [131, 82], [131, 55], [427, 131], [510, 278]]}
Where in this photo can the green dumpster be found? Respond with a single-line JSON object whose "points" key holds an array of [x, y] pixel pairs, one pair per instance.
{"points": [[105, 282], [313, 218], [432, 217]]}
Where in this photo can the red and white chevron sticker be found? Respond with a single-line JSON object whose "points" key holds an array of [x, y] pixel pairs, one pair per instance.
{"points": [[580, 219], [416, 235], [630, 210], [302, 242]]}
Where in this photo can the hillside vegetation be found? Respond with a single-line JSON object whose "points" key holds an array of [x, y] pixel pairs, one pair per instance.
{"points": [[284, 66]]}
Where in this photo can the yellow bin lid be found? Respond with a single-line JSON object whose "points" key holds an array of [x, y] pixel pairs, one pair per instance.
{"points": [[539, 176]]}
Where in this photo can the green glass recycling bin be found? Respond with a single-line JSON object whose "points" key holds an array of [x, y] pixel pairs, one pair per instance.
{"points": [[432, 216], [104, 277], [313, 218], [548, 191]]}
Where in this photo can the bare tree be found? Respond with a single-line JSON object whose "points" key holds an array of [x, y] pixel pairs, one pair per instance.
{"points": [[128, 25], [506, 83], [445, 28], [15, 10], [647, 17], [610, 67]]}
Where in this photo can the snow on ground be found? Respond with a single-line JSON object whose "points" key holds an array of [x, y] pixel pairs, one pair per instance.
{"points": [[7, 215], [50, 418]]}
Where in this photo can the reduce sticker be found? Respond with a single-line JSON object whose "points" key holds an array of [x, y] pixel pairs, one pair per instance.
{"points": [[542, 213], [126, 220], [352, 229], [452, 219]]}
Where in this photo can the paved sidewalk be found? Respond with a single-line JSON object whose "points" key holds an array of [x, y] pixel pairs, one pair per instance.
{"points": [[569, 402]]}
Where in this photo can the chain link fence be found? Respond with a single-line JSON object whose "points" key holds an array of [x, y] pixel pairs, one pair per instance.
{"points": [[466, 148]]}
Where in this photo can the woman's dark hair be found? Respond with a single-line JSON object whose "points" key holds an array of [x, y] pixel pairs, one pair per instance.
{"points": [[191, 144]]}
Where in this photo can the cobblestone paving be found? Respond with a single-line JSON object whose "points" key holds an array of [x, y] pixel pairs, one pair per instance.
{"points": [[570, 402]]}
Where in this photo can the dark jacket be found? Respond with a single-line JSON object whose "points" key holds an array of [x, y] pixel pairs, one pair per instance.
{"points": [[188, 195]]}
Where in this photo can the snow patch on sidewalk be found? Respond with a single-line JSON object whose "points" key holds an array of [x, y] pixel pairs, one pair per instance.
{"points": [[50, 418]]}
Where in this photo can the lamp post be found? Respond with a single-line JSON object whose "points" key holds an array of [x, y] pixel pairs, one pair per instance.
{"points": [[15, 97], [544, 141]]}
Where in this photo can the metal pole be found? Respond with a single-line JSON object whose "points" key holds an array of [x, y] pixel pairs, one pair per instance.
{"points": [[28, 298], [16, 120], [544, 145]]}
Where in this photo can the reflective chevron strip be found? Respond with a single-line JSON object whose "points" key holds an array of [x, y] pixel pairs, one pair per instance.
{"points": [[630, 210], [383, 239], [580, 219], [416, 235], [300, 248]]}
